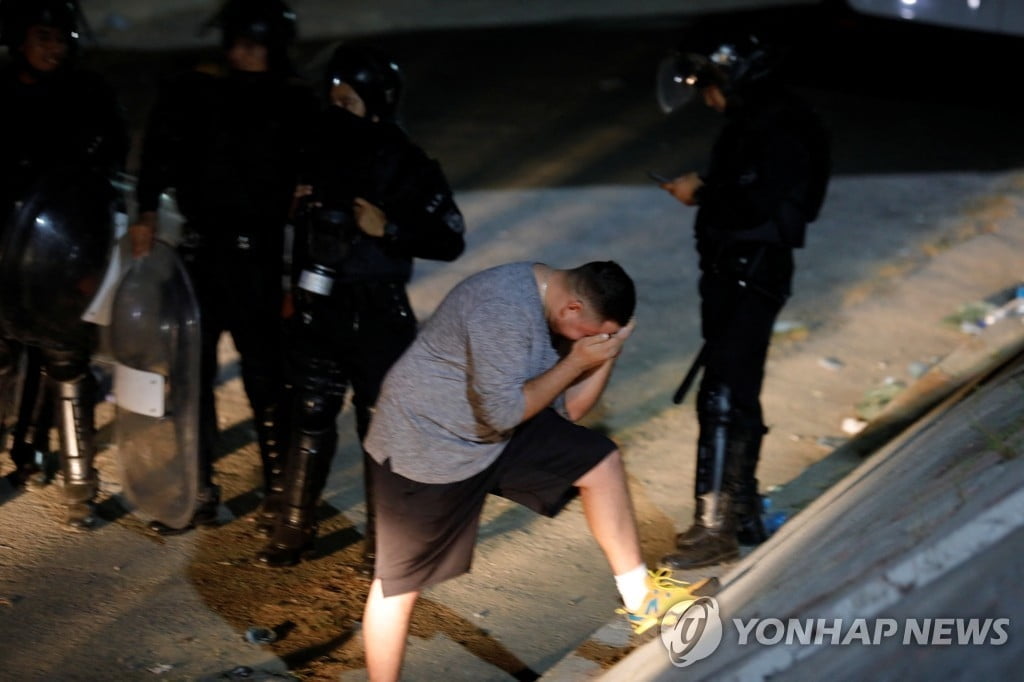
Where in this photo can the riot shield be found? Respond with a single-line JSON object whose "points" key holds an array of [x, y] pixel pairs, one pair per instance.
{"points": [[11, 361], [154, 337], [53, 256]]}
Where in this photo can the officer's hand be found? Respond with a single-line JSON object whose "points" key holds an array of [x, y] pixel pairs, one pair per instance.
{"points": [[300, 193], [142, 233], [684, 188], [369, 218]]}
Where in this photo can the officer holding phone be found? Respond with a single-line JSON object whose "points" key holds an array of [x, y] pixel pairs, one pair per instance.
{"points": [[766, 181]]}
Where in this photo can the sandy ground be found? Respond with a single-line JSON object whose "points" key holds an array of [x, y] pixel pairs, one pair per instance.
{"points": [[122, 603]]}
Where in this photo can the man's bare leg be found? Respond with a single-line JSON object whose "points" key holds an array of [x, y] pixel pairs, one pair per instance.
{"points": [[385, 628], [608, 508]]}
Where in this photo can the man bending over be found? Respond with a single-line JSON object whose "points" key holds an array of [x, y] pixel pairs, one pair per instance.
{"points": [[484, 401]]}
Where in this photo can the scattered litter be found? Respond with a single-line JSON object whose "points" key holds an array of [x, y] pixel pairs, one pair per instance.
{"points": [[5, 601], [482, 613], [160, 668], [875, 400], [973, 318], [969, 314], [790, 329], [831, 442], [831, 363], [258, 635], [916, 370], [853, 426], [1008, 309]]}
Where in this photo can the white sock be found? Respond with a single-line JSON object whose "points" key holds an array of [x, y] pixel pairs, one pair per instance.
{"points": [[633, 587]]}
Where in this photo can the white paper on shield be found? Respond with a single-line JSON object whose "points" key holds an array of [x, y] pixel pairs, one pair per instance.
{"points": [[139, 391]]}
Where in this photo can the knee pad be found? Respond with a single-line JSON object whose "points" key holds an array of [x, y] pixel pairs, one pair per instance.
{"points": [[9, 354], [316, 411], [715, 406], [68, 366]]}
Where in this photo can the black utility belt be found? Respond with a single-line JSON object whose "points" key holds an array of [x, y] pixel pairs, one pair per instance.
{"points": [[325, 282], [234, 242]]}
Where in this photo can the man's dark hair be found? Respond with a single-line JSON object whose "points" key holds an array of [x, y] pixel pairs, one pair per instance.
{"points": [[607, 287]]}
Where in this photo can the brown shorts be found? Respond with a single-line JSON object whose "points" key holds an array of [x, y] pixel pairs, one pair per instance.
{"points": [[426, 532]]}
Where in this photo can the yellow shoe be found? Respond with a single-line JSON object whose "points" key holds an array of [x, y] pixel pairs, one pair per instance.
{"points": [[664, 592]]}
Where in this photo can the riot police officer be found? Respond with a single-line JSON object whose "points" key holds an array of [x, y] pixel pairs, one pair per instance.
{"points": [[375, 201], [766, 181], [228, 143], [57, 120]]}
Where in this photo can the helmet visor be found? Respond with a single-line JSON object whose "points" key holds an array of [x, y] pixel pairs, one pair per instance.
{"points": [[679, 78], [674, 89]]}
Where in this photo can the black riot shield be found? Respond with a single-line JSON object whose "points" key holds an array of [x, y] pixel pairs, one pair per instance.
{"points": [[154, 338], [10, 374], [53, 255]]}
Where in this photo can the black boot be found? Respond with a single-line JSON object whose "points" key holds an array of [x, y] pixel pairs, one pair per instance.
{"points": [[747, 502], [306, 470], [712, 537], [29, 467], [696, 532], [76, 426], [271, 431], [749, 522], [30, 437]]}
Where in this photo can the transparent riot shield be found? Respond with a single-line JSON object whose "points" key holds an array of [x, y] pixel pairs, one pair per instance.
{"points": [[154, 337]]}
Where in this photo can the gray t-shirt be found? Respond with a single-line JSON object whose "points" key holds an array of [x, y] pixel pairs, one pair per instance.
{"points": [[451, 402]]}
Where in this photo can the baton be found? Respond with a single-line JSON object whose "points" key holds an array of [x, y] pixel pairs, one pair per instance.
{"points": [[691, 375]]}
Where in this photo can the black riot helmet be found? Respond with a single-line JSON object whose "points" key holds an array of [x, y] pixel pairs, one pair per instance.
{"points": [[733, 65], [374, 77], [270, 23], [17, 16]]}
